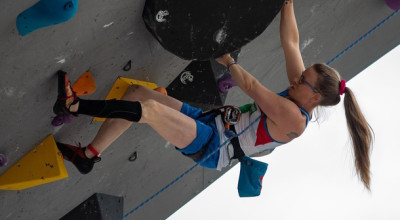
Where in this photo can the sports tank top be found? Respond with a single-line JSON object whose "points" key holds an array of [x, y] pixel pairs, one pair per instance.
{"points": [[256, 140]]}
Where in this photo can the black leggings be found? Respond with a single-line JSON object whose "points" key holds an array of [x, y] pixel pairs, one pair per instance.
{"points": [[131, 111]]}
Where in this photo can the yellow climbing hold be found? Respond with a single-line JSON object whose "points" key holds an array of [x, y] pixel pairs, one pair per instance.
{"points": [[43, 164], [121, 85]]}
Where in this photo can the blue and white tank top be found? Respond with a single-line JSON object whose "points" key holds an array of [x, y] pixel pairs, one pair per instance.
{"points": [[256, 140]]}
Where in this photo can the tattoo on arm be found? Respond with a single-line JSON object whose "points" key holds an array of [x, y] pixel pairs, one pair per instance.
{"points": [[288, 1], [292, 135]]}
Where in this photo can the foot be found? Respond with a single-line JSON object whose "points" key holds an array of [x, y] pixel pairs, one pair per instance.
{"points": [[66, 96], [76, 155]]}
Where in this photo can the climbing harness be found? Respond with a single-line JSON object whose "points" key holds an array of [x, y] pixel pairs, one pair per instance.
{"points": [[230, 115], [237, 150]]}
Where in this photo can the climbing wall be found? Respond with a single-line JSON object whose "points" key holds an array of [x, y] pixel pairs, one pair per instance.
{"points": [[102, 38]]}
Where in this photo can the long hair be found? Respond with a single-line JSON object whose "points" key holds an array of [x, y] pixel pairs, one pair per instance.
{"points": [[360, 131]]}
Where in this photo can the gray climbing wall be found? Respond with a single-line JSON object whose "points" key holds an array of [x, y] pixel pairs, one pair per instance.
{"points": [[102, 37]]}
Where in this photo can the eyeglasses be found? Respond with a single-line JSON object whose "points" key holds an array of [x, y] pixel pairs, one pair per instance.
{"points": [[304, 81]]}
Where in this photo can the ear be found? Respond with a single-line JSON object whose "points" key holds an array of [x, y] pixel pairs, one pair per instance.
{"points": [[316, 98]]}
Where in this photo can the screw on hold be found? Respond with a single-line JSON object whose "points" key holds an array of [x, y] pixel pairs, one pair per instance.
{"points": [[68, 5], [187, 75], [160, 15], [133, 157], [128, 66]]}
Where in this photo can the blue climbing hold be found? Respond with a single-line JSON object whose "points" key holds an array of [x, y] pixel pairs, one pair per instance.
{"points": [[45, 13]]}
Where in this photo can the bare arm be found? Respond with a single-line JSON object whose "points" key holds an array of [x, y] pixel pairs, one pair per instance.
{"points": [[280, 111], [289, 35]]}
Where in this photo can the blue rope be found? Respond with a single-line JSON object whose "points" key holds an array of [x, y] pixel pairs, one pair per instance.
{"points": [[251, 124], [362, 37]]}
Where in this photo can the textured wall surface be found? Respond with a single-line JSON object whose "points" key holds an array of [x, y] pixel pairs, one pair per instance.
{"points": [[102, 37]]}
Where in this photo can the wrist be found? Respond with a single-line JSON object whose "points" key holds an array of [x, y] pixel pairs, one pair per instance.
{"points": [[233, 62], [228, 61], [288, 2]]}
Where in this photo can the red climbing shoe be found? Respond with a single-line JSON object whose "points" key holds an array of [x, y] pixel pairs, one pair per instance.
{"points": [[66, 96], [76, 155]]}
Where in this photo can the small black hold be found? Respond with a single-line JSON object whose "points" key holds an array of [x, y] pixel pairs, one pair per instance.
{"points": [[68, 5], [128, 66], [133, 157]]}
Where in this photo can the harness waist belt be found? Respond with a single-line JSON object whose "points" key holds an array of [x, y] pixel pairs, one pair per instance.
{"points": [[238, 152]]}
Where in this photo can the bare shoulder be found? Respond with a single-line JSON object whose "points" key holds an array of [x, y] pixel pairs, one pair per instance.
{"points": [[288, 125]]}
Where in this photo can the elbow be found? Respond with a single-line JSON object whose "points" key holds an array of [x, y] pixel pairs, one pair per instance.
{"points": [[290, 38], [290, 42], [251, 85]]}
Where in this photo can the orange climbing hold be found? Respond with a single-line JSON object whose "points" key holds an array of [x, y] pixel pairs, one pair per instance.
{"points": [[85, 85], [161, 90]]}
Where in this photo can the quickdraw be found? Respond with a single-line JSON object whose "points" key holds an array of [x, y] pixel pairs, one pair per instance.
{"points": [[230, 116]]}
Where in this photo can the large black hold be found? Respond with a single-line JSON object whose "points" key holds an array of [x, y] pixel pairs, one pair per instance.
{"points": [[204, 29], [99, 206], [196, 85]]}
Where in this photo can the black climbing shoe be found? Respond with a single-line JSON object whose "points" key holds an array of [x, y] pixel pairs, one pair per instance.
{"points": [[64, 88], [76, 154]]}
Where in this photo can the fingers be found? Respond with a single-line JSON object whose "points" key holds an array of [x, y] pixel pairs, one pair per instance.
{"points": [[225, 59]]}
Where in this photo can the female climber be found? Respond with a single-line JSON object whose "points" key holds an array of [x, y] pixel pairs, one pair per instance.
{"points": [[279, 118]]}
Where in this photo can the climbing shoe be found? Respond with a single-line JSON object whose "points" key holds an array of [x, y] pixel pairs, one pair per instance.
{"points": [[65, 93], [76, 155]]}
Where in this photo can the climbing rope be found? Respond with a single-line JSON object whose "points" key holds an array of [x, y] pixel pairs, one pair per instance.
{"points": [[362, 37], [251, 124]]}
